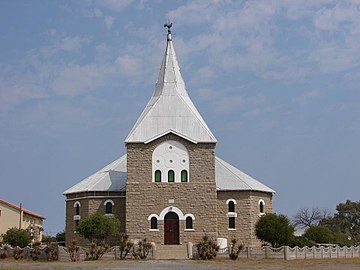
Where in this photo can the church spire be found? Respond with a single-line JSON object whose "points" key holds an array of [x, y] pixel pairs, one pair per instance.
{"points": [[170, 109]]}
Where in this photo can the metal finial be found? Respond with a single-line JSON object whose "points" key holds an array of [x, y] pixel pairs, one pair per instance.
{"points": [[168, 25]]}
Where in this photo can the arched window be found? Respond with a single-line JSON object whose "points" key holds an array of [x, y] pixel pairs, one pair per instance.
{"points": [[262, 207], [231, 206], [184, 176], [171, 176], [109, 206], [157, 176], [77, 208], [189, 223], [153, 223]]}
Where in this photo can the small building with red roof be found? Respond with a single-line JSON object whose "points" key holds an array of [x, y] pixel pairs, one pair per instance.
{"points": [[16, 216]]}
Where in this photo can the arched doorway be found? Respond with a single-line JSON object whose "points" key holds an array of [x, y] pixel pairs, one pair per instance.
{"points": [[171, 229]]}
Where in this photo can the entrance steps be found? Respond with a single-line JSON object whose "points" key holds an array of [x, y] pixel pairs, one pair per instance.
{"points": [[171, 252]]}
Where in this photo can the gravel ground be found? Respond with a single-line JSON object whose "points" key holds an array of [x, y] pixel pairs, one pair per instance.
{"points": [[333, 264]]}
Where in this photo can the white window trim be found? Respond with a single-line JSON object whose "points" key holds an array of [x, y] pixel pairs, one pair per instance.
{"points": [[77, 217], [189, 230], [230, 200], [261, 201], [109, 215], [153, 215], [189, 215], [77, 203], [109, 201], [231, 214], [231, 229], [153, 230]]}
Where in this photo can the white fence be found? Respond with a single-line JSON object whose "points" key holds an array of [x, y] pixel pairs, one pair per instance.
{"points": [[289, 253]]}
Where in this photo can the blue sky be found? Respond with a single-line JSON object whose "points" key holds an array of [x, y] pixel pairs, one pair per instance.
{"points": [[276, 81]]}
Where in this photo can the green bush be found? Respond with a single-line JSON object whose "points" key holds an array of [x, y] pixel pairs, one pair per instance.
{"points": [[319, 234], [17, 237]]}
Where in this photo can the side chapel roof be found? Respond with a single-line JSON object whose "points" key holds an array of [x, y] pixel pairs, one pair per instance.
{"points": [[170, 108], [113, 178]]}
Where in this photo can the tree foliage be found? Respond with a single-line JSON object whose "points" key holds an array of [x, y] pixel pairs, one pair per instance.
{"points": [[98, 227], [17, 237], [345, 223], [319, 234], [274, 229]]}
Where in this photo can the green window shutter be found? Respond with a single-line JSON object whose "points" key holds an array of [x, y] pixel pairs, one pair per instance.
{"points": [[157, 176], [184, 176], [171, 176]]}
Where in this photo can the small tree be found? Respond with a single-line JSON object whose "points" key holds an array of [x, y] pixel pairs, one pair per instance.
{"points": [[235, 249], [17, 237], [97, 227], [274, 229]]}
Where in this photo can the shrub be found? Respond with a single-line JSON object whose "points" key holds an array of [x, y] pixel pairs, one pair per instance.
{"points": [[142, 249], [5, 252], [235, 249], [17, 237], [207, 248], [96, 251], [52, 251], [74, 251], [125, 246], [35, 252], [18, 253]]}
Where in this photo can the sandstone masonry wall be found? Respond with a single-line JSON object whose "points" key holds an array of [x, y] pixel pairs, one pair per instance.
{"points": [[197, 197]]}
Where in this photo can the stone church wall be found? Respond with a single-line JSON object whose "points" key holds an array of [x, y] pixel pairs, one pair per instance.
{"points": [[248, 212], [196, 197], [90, 204]]}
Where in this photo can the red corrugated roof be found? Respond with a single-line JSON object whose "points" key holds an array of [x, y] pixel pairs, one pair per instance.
{"points": [[17, 207]]}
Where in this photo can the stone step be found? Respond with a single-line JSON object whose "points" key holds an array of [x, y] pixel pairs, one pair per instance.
{"points": [[171, 252]]}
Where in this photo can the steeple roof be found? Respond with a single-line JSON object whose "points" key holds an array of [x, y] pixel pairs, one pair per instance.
{"points": [[170, 109]]}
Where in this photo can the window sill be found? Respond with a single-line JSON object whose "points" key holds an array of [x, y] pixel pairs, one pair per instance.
{"points": [[153, 230], [77, 217], [109, 215], [189, 230], [231, 229], [261, 214]]}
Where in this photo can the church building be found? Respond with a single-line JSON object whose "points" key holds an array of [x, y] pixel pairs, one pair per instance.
{"points": [[170, 187]]}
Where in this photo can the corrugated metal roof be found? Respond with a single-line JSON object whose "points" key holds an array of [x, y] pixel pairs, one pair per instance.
{"points": [[17, 207], [170, 108], [113, 178], [230, 178], [110, 178]]}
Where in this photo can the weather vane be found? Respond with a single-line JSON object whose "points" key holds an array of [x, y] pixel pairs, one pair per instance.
{"points": [[168, 25]]}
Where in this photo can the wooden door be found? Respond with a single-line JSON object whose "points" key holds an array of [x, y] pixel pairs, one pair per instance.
{"points": [[171, 229]]}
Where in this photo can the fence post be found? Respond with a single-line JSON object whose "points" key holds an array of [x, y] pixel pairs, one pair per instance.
{"points": [[285, 252]]}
